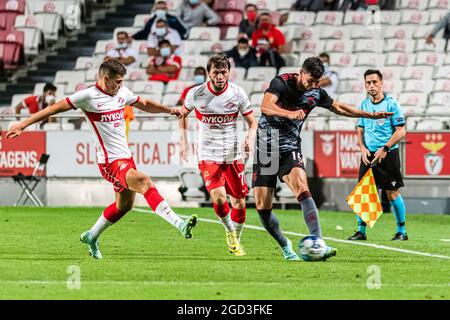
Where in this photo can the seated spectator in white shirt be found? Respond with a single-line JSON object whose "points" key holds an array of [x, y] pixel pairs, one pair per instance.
{"points": [[163, 32], [123, 51], [194, 13], [329, 80]]}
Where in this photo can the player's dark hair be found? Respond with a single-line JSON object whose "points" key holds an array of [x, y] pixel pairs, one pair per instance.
{"points": [[218, 61], [373, 71], [112, 68], [164, 41], [314, 66], [49, 86]]}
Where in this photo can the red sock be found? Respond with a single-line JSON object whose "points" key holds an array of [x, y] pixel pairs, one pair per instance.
{"points": [[238, 215], [112, 214], [221, 210], [153, 198]]}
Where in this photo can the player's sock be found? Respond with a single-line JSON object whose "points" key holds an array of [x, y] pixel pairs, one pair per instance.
{"points": [[270, 222], [400, 213], [223, 213], [238, 218], [310, 213], [161, 207], [109, 216], [361, 225]]}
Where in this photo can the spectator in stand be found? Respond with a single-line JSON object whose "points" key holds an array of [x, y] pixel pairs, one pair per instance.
{"points": [[444, 23], [123, 52], [248, 26], [364, 4], [160, 11], [165, 66], [163, 32], [266, 29], [37, 103], [242, 55], [267, 56], [329, 80], [209, 3], [194, 13], [199, 78], [315, 5]]}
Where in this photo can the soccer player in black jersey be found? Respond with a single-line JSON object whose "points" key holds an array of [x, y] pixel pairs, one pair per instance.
{"points": [[286, 104]]}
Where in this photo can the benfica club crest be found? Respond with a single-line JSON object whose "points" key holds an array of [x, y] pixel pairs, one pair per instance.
{"points": [[433, 160], [327, 144]]}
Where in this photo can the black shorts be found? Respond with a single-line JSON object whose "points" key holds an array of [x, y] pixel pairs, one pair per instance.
{"points": [[387, 173], [264, 175]]}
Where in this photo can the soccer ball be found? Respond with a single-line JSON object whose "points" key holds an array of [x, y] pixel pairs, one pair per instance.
{"points": [[312, 248]]}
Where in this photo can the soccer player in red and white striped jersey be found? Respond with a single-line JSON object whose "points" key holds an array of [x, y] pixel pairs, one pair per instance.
{"points": [[217, 104], [103, 107]]}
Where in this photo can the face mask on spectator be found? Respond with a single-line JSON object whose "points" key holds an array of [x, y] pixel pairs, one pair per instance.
{"points": [[251, 16], [243, 52], [160, 32], [160, 14], [122, 46], [199, 79], [326, 66], [193, 2], [165, 52], [50, 99]]}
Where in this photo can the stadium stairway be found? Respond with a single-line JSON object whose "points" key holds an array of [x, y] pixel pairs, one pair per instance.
{"points": [[81, 45]]}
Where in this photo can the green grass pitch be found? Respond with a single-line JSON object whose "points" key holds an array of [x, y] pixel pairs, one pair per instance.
{"points": [[145, 258]]}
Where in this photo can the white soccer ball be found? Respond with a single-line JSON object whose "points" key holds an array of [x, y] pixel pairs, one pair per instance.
{"points": [[312, 248]]}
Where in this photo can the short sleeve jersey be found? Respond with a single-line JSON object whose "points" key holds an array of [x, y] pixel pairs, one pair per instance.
{"points": [[105, 114]]}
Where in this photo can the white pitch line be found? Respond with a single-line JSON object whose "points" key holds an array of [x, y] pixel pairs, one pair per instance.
{"points": [[357, 243], [445, 240]]}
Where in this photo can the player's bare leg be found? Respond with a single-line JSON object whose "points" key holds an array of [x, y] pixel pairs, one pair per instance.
{"points": [[298, 183], [263, 199], [124, 203], [140, 183], [222, 209], [238, 213]]}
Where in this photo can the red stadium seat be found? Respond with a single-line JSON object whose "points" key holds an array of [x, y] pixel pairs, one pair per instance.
{"points": [[228, 19], [12, 49], [9, 10], [236, 5]]}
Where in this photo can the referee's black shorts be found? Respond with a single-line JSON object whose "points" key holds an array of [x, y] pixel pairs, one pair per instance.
{"points": [[387, 173]]}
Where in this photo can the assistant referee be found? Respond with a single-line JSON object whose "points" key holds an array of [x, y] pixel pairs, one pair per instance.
{"points": [[378, 141]]}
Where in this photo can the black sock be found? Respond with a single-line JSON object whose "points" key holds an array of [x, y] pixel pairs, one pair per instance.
{"points": [[310, 213], [270, 222]]}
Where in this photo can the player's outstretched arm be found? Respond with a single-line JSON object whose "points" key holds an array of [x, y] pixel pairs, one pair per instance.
{"points": [[152, 106], [61, 106], [184, 140], [249, 142], [269, 108], [347, 110]]}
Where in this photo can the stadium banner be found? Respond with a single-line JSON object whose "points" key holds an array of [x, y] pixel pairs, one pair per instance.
{"points": [[336, 154], [73, 154], [21, 154], [427, 154]]}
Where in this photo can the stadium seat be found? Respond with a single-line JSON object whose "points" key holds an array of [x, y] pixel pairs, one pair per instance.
{"points": [[393, 88], [410, 111], [247, 86], [417, 86], [398, 45], [355, 18], [366, 45], [435, 15], [156, 97], [439, 4], [442, 111], [398, 59], [60, 90], [356, 74], [341, 124], [256, 98], [316, 123], [230, 18], [412, 99], [390, 17], [302, 18], [33, 33], [343, 46], [237, 74], [191, 184], [294, 69], [392, 73], [155, 125], [326, 33], [238, 5], [51, 126], [440, 98], [331, 18], [430, 124], [103, 46], [177, 86], [173, 5], [310, 46], [365, 33], [422, 31], [74, 86], [442, 85], [18, 98], [417, 73], [211, 47], [150, 87], [412, 4], [414, 17], [370, 60], [91, 75], [284, 5], [356, 86], [429, 59], [438, 46], [270, 5], [140, 20], [442, 73], [12, 50], [69, 76], [85, 63], [260, 86], [399, 32], [354, 99], [170, 99], [194, 61], [261, 73], [136, 75], [344, 60], [232, 33], [205, 33], [52, 13]]}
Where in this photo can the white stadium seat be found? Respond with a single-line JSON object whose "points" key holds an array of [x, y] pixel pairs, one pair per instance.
{"points": [[344, 46], [416, 100], [52, 13], [354, 99], [74, 86], [442, 73], [365, 33], [429, 59], [341, 33], [356, 86], [310, 46], [430, 124], [436, 15], [442, 85], [439, 4], [365, 45], [398, 59], [414, 17], [60, 90], [422, 31], [69, 76], [331, 18], [438, 111], [52, 126], [316, 123], [155, 125], [261, 73], [256, 98], [33, 33], [370, 60], [438, 46], [102, 46], [417, 73], [194, 61], [150, 87], [260, 86], [140, 20], [412, 4], [390, 17], [399, 32], [247, 86], [344, 60], [440, 98], [289, 70], [177, 86], [398, 45], [170, 99], [341, 124], [410, 111], [355, 74], [417, 86], [303, 18], [129, 30], [355, 18], [205, 33], [232, 33], [392, 73], [91, 75], [136, 75]]}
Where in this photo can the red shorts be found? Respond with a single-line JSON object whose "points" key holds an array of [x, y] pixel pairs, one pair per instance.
{"points": [[228, 175], [116, 172]]}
